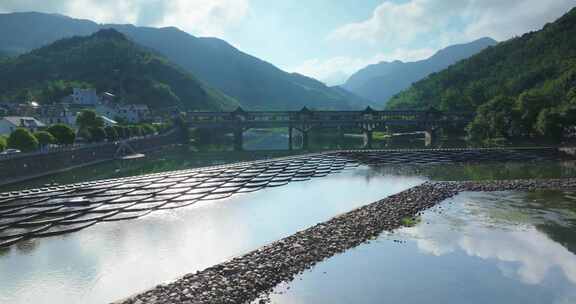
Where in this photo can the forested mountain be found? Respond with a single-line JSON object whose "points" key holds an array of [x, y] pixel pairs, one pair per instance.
{"points": [[108, 61], [379, 82], [524, 86], [256, 84]]}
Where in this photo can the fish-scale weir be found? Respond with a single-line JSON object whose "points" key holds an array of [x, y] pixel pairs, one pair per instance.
{"points": [[58, 210]]}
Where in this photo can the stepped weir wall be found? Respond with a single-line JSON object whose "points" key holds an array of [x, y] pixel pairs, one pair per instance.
{"points": [[27, 166]]}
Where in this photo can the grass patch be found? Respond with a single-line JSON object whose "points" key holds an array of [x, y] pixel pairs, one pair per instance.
{"points": [[410, 221]]}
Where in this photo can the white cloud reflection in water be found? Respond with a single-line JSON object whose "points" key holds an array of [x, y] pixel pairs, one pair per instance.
{"points": [[532, 251], [475, 248], [110, 261]]}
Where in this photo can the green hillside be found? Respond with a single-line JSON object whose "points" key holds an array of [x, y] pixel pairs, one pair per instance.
{"points": [[522, 87], [379, 82], [255, 83], [107, 61]]}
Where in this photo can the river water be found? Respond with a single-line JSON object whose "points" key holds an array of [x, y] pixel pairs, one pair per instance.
{"points": [[500, 247], [113, 260], [110, 261]]}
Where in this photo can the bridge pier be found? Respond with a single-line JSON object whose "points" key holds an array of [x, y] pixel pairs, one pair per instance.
{"points": [[305, 131], [305, 139], [238, 139], [368, 139], [290, 139], [303, 121], [368, 130], [341, 136], [430, 137]]}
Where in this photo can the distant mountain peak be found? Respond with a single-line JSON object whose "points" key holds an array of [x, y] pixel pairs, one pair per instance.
{"points": [[109, 33], [379, 82]]}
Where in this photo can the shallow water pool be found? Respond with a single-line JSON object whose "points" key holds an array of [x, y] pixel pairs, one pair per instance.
{"points": [[501, 247]]}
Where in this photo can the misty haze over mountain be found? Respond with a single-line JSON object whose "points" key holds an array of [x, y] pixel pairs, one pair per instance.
{"points": [[379, 82]]}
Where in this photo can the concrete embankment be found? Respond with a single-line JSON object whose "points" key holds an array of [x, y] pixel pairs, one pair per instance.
{"points": [[24, 167], [244, 279]]}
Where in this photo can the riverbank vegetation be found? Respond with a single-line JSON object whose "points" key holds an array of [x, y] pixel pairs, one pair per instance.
{"points": [[524, 87], [91, 130], [3, 143]]}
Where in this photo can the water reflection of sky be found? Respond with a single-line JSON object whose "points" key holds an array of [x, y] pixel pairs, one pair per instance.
{"points": [[480, 248], [113, 260]]}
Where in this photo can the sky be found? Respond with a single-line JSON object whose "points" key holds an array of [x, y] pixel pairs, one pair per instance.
{"points": [[325, 39]]}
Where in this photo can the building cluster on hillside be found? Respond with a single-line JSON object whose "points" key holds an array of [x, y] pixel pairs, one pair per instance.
{"points": [[32, 115]]}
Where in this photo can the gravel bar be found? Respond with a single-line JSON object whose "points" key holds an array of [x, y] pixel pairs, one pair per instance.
{"points": [[245, 278]]}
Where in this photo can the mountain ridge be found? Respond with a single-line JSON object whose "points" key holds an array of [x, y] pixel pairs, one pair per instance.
{"points": [[255, 83], [525, 86], [379, 82], [108, 61]]}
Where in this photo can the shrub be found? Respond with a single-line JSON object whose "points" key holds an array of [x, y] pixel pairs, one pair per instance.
{"points": [[3, 143], [22, 140], [97, 134], [45, 138], [89, 119], [64, 134]]}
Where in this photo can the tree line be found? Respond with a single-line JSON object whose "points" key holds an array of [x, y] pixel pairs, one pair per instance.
{"points": [[521, 88], [91, 129]]}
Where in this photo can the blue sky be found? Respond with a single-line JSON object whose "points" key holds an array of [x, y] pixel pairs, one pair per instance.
{"points": [[325, 39]]}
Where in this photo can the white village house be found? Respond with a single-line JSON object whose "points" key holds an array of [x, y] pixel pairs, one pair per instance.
{"points": [[10, 123], [85, 96], [57, 114]]}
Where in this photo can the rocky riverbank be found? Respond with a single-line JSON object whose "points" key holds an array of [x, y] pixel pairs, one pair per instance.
{"points": [[514, 185], [243, 279]]}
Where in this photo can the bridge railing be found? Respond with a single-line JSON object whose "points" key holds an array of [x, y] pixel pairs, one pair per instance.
{"points": [[326, 116]]}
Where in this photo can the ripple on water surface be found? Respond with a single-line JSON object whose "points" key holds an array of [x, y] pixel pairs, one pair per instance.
{"points": [[499, 247], [110, 261]]}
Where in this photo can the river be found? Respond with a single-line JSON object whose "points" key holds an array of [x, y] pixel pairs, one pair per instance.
{"points": [[501, 248]]}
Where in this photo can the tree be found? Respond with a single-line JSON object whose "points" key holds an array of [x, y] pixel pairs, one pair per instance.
{"points": [[530, 104], [180, 124], [3, 143], [549, 124], [495, 119], [45, 138], [97, 134], [89, 119], [84, 135], [111, 133], [22, 140], [64, 134]]}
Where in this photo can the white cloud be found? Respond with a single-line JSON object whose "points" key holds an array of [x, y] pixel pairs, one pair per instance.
{"points": [[527, 255], [519, 249], [451, 21], [336, 70], [206, 17], [399, 23], [200, 17], [411, 30], [505, 19]]}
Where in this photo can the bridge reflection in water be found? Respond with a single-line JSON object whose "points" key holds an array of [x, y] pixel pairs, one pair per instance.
{"points": [[305, 120]]}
